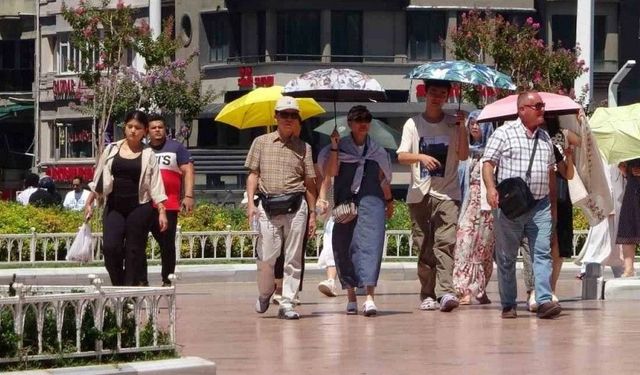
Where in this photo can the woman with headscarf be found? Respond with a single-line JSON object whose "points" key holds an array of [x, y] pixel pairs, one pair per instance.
{"points": [[473, 260], [362, 175]]}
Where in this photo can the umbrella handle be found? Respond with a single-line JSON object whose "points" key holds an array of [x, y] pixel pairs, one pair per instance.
{"points": [[335, 115]]}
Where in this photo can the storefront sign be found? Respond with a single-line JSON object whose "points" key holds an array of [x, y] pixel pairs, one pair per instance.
{"points": [[246, 79], [64, 89], [66, 174]]}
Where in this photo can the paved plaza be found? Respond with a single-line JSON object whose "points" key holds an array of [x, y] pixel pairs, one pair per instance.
{"points": [[216, 321]]}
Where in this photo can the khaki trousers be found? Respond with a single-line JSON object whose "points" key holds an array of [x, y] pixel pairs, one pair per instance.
{"points": [[434, 224], [288, 229]]}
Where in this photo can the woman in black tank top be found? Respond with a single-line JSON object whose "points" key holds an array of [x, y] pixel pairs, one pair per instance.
{"points": [[127, 221]]}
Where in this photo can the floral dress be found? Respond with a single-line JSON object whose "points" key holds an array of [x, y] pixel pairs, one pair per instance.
{"points": [[475, 241]]}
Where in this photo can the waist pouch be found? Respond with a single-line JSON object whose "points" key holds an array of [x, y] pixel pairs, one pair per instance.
{"points": [[281, 204], [514, 197]]}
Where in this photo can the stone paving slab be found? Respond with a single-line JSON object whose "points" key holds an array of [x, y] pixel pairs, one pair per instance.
{"points": [[590, 337]]}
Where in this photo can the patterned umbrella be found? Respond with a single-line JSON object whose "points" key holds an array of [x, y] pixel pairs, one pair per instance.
{"points": [[331, 85], [463, 72]]}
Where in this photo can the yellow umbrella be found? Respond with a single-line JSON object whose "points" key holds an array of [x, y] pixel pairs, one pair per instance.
{"points": [[617, 131], [257, 108]]}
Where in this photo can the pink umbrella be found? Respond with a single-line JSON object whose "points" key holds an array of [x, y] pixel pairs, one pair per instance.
{"points": [[507, 109]]}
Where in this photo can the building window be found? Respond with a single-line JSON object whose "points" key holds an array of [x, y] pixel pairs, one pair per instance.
{"points": [[563, 30], [298, 35], [222, 32], [16, 65], [599, 38], [70, 59], [425, 32], [346, 36], [72, 140]]}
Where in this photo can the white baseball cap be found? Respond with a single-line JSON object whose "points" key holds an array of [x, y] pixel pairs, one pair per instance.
{"points": [[287, 102]]}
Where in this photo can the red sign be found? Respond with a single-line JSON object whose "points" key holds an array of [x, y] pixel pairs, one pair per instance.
{"points": [[65, 89], [66, 174], [246, 79]]}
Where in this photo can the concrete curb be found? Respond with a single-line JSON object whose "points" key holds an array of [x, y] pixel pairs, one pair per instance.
{"points": [[622, 289], [184, 365], [393, 271]]}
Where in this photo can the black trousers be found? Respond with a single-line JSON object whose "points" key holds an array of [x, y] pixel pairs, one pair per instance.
{"points": [[167, 242], [124, 243]]}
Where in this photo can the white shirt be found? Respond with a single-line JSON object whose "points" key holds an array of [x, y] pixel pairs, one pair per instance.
{"points": [[440, 140], [71, 203], [25, 194]]}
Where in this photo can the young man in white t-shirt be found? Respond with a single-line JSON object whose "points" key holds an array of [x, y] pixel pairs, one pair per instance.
{"points": [[433, 143]]}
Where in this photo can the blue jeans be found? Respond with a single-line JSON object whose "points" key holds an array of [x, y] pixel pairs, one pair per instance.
{"points": [[536, 225]]}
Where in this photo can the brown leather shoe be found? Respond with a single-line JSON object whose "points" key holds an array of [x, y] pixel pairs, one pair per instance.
{"points": [[549, 310], [509, 313]]}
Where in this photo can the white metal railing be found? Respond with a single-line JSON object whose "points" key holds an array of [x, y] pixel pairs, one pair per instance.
{"points": [[230, 245], [105, 320]]}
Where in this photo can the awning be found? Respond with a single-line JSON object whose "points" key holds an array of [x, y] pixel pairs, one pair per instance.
{"points": [[11, 110], [380, 109]]}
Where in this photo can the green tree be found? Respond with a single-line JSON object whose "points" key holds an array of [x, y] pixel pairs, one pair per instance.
{"points": [[106, 36], [516, 50]]}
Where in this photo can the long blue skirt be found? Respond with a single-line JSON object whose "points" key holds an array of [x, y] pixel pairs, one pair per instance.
{"points": [[358, 245]]}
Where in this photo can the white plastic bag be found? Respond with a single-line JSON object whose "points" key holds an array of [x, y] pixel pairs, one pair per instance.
{"points": [[81, 249]]}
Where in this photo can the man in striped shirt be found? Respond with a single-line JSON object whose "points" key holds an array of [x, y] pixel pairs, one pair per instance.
{"points": [[510, 150]]}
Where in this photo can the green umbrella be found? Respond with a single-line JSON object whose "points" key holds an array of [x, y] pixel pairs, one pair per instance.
{"points": [[617, 131], [382, 134], [463, 72]]}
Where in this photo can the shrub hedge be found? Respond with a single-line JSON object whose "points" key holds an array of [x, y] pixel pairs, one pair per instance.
{"points": [[16, 218]]}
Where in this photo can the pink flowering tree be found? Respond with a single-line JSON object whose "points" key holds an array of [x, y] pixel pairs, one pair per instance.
{"points": [[108, 36], [515, 50]]}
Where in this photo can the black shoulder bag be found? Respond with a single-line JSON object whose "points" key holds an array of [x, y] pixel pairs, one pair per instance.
{"points": [[514, 196]]}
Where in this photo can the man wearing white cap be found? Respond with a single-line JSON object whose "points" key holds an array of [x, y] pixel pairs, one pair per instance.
{"points": [[281, 173]]}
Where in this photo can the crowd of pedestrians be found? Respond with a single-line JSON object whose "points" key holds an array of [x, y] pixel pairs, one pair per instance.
{"points": [[461, 221], [458, 167]]}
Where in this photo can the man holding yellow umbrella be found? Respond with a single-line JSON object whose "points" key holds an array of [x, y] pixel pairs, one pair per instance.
{"points": [[281, 173]]}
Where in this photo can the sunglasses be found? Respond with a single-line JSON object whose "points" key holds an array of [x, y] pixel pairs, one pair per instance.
{"points": [[289, 115], [538, 106]]}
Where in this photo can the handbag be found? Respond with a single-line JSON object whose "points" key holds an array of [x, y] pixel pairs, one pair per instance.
{"points": [[281, 204], [345, 212], [514, 196]]}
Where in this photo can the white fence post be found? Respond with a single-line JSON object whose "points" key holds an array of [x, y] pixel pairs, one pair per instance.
{"points": [[32, 245]]}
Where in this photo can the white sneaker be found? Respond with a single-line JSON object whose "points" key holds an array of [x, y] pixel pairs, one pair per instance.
{"points": [[429, 304], [531, 302], [327, 287], [369, 308]]}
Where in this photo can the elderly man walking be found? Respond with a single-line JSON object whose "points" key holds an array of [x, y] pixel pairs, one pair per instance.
{"points": [[522, 149], [281, 173]]}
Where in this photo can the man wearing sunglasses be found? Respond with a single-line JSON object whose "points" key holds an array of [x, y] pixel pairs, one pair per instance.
{"points": [[281, 173], [510, 149]]}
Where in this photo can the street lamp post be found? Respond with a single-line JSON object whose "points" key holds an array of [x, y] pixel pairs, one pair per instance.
{"points": [[615, 82]]}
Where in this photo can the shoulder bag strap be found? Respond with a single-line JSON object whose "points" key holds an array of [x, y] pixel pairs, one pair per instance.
{"points": [[533, 153]]}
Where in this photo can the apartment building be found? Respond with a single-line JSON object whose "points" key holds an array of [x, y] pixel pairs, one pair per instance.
{"points": [[248, 43]]}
